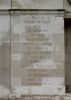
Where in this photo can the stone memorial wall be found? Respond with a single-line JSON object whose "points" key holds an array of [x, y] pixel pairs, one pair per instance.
{"points": [[32, 55], [37, 53], [32, 52]]}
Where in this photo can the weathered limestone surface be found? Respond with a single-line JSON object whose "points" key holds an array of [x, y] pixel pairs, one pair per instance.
{"points": [[67, 6], [37, 54], [31, 4], [5, 53], [5, 4], [28, 97], [37, 4]]}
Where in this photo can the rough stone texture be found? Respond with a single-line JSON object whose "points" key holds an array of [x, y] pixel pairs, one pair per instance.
{"points": [[33, 61], [27, 97], [67, 6], [37, 4], [31, 4], [37, 54], [5, 4], [5, 53]]}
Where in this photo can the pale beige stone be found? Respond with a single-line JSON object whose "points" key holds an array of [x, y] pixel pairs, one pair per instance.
{"points": [[5, 4], [4, 28], [5, 54], [5, 65], [36, 41], [37, 4]]}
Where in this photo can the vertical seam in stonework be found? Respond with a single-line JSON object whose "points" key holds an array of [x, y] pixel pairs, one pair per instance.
{"points": [[10, 52]]}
